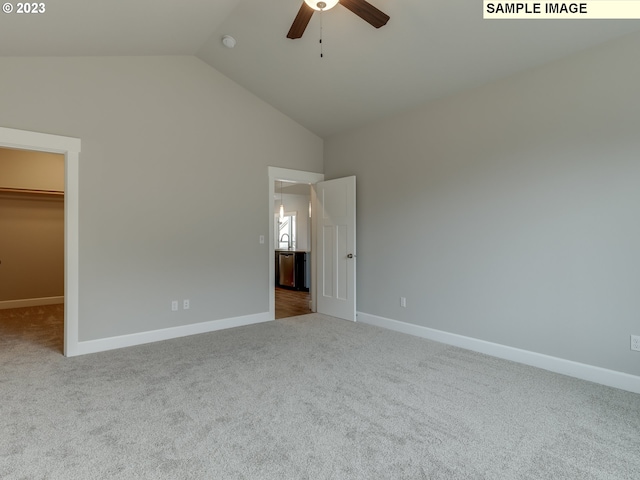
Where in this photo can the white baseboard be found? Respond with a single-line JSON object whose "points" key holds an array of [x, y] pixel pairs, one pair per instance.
{"points": [[30, 302], [610, 378], [112, 343]]}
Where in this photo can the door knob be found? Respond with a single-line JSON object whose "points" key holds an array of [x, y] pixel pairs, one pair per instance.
{"points": [[351, 255]]}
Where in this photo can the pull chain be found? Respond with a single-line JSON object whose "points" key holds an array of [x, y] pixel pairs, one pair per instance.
{"points": [[321, 46]]}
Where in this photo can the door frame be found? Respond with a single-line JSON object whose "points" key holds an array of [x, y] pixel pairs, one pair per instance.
{"points": [[70, 148], [294, 176]]}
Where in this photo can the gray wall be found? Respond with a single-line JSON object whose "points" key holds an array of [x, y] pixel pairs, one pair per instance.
{"points": [[510, 213], [166, 144]]}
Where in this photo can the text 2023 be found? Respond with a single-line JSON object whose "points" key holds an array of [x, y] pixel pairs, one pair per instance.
{"points": [[31, 8]]}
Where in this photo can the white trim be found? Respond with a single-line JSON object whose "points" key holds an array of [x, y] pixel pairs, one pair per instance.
{"points": [[296, 176], [122, 341], [610, 378], [43, 142], [70, 147], [30, 302]]}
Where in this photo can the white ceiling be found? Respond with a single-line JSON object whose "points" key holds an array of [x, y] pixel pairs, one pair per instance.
{"points": [[428, 50], [113, 27]]}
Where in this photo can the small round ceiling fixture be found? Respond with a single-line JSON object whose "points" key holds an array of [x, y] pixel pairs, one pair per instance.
{"points": [[228, 41], [324, 6]]}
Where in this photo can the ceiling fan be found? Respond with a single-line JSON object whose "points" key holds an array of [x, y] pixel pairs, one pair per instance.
{"points": [[362, 8]]}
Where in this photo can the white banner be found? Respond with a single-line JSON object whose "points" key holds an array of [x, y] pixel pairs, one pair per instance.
{"points": [[588, 9]]}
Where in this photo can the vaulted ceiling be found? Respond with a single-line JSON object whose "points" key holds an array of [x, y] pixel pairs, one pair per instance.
{"points": [[429, 48]]}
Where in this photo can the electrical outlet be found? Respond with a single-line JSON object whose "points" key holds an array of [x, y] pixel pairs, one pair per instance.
{"points": [[261, 239], [174, 305], [403, 302], [635, 343], [185, 304]]}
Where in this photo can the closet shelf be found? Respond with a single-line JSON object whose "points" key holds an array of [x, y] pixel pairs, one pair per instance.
{"points": [[31, 191]]}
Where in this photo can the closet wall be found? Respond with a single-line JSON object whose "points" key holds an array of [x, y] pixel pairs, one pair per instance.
{"points": [[31, 226]]}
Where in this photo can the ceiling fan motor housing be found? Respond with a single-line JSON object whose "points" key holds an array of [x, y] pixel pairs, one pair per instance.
{"points": [[321, 4], [361, 8]]}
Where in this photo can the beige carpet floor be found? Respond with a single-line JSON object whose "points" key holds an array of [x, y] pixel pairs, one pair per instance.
{"points": [[307, 397]]}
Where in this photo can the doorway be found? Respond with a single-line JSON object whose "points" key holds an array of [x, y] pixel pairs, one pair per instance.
{"points": [[291, 301], [333, 242], [70, 148], [292, 228], [32, 246]]}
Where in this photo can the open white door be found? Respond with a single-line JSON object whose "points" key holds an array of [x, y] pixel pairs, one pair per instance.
{"points": [[336, 247]]}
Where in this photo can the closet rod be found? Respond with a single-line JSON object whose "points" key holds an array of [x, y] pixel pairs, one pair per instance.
{"points": [[31, 190]]}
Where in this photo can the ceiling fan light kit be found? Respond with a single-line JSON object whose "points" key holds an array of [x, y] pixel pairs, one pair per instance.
{"points": [[361, 8], [321, 6]]}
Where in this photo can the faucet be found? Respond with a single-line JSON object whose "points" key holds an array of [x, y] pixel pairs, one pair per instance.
{"points": [[288, 240]]}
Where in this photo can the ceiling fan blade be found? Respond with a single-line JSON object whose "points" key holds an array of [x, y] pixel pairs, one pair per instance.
{"points": [[367, 12], [301, 21]]}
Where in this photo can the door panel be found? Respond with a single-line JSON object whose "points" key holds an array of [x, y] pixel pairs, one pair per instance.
{"points": [[327, 255], [336, 242], [342, 275]]}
